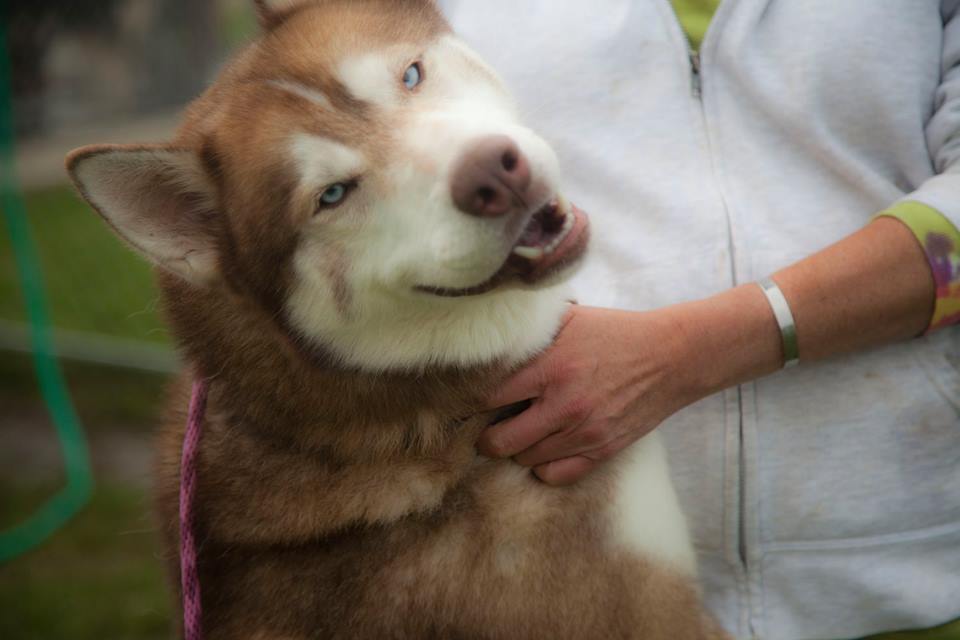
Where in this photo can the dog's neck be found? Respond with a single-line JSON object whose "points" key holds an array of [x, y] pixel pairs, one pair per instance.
{"points": [[263, 379], [283, 422]]}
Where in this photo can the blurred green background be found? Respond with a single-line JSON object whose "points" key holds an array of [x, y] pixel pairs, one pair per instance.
{"points": [[99, 577], [92, 71]]}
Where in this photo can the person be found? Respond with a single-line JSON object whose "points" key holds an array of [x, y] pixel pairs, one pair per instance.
{"points": [[816, 143]]}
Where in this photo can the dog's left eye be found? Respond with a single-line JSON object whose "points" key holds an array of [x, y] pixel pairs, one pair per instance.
{"points": [[334, 195], [413, 76]]}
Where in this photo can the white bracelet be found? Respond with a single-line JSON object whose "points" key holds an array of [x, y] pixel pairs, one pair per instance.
{"points": [[788, 329]]}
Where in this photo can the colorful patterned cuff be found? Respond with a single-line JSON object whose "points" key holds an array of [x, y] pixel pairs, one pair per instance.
{"points": [[941, 242]]}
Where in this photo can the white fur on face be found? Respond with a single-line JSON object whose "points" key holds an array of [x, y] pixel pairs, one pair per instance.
{"points": [[463, 102], [454, 44], [323, 161], [371, 77], [358, 270], [407, 331], [645, 512], [307, 93]]}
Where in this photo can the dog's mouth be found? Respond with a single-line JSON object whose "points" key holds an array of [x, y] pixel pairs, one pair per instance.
{"points": [[555, 237]]}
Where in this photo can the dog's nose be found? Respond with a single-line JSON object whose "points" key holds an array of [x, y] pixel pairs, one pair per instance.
{"points": [[491, 179]]}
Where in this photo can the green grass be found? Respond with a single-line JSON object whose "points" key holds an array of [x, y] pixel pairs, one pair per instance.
{"points": [[945, 632], [100, 576], [94, 283], [106, 398], [97, 578]]}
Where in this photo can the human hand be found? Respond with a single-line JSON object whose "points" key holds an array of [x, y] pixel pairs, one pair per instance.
{"points": [[610, 378]]}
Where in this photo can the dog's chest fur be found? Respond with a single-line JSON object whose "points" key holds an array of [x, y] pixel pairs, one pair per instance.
{"points": [[438, 544], [339, 505]]}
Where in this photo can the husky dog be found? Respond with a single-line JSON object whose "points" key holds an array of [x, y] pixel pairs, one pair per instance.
{"points": [[356, 242]]}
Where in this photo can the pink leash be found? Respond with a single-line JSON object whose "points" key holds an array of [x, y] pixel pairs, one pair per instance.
{"points": [[189, 579]]}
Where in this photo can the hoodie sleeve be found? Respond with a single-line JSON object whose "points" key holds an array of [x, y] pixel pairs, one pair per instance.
{"points": [[942, 191], [932, 212]]}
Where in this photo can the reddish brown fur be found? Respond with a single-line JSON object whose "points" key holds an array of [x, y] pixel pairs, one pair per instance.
{"points": [[338, 504], [310, 527]]}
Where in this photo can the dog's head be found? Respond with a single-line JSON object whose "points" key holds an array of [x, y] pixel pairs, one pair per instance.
{"points": [[363, 175]]}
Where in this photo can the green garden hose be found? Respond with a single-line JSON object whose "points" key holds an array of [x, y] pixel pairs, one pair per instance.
{"points": [[79, 484]]}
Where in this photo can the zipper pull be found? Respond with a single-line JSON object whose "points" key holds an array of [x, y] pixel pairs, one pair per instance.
{"points": [[695, 81]]}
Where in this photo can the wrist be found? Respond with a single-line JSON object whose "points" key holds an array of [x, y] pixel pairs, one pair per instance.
{"points": [[726, 339]]}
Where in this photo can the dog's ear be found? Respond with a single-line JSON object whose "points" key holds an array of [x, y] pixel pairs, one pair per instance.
{"points": [[157, 198], [270, 13]]}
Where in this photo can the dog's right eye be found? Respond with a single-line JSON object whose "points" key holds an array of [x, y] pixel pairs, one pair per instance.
{"points": [[334, 195], [413, 76]]}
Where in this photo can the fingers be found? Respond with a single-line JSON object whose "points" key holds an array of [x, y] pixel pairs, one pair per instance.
{"points": [[567, 471], [527, 383], [565, 443], [561, 473], [530, 381], [517, 434]]}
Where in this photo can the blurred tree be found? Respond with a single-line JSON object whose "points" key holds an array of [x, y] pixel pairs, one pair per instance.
{"points": [[73, 60], [177, 63], [31, 27]]}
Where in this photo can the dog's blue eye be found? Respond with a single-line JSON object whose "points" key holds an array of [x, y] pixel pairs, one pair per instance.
{"points": [[334, 195], [413, 76]]}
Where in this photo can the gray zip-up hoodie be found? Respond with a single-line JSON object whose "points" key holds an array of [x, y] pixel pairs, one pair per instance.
{"points": [[824, 500]]}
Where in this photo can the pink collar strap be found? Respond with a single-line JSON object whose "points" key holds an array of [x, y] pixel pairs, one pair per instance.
{"points": [[189, 579]]}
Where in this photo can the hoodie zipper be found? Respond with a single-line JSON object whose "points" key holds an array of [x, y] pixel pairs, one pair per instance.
{"points": [[696, 86], [693, 55], [696, 91]]}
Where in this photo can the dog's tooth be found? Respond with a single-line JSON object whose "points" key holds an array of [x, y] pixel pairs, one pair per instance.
{"points": [[550, 248], [563, 204], [565, 230], [556, 242], [530, 253]]}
